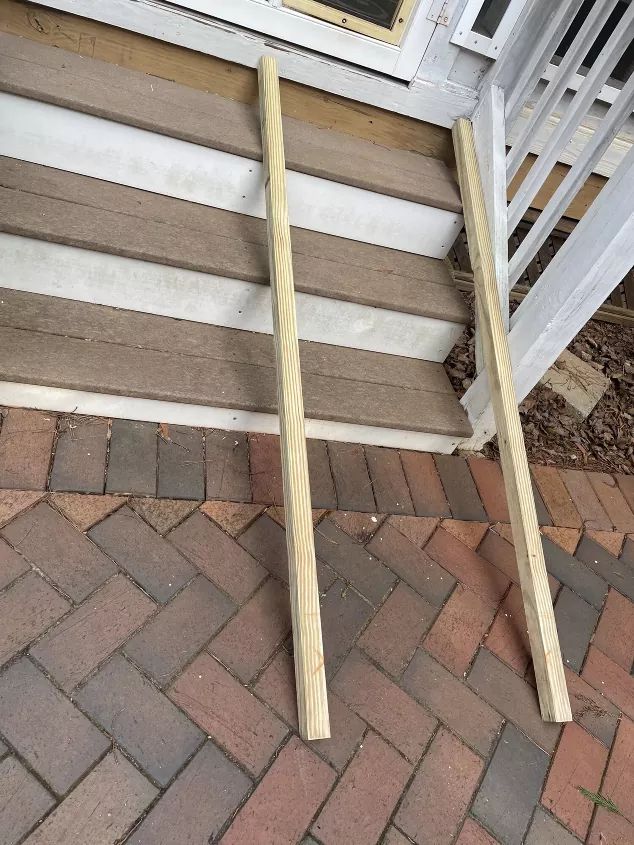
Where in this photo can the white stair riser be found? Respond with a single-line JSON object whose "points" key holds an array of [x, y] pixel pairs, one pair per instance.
{"points": [[92, 146], [15, 394], [100, 278]]}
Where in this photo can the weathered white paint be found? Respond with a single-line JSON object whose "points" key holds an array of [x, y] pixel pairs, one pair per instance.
{"points": [[573, 181], [528, 49], [488, 131], [73, 273], [439, 103], [15, 394], [81, 143], [584, 133], [566, 295], [552, 93], [571, 118]]}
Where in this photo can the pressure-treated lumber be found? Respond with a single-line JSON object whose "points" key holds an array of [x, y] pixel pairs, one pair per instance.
{"points": [[540, 619], [310, 675]]}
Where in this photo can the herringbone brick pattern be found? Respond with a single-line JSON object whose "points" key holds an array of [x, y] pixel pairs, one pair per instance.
{"points": [[146, 673]]}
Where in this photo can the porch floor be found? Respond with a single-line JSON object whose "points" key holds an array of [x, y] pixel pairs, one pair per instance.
{"points": [[146, 690]]}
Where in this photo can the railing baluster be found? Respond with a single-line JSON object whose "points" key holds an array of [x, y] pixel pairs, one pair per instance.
{"points": [[571, 118], [539, 48], [591, 154], [554, 90]]}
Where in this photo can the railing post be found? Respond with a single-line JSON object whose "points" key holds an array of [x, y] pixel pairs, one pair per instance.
{"points": [[310, 676]]}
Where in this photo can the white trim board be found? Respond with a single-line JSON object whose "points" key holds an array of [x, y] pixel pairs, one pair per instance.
{"points": [[61, 400], [92, 146], [437, 102], [100, 278]]}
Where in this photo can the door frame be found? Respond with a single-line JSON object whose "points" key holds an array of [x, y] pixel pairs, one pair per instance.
{"points": [[273, 18]]}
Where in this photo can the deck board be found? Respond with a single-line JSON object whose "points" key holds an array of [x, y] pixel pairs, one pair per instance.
{"points": [[62, 343], [100, 88], [54, 205]]}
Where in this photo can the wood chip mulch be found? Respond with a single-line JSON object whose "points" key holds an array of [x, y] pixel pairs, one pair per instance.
{"points": [[605, 440]]}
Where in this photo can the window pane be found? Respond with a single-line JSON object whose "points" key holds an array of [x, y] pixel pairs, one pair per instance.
{"points": [[380, 12]]}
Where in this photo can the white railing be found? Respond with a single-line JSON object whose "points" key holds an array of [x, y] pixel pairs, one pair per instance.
{"points": [[600, 251]]}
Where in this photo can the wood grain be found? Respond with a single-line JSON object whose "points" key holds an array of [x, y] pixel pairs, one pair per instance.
{"points": [[310, 674], [542, 630], [208, 73]]}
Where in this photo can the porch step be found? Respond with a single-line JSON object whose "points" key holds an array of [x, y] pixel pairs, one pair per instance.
{"points": [[66, 79], [65, 355], [104, 121], [55, 205], [70, 227]]}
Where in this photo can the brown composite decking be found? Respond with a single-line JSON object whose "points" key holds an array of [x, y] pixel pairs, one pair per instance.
{"points": [[55, 205], [64, 343], [107, 90]]}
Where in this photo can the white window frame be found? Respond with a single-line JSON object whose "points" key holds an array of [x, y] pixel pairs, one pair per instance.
{"points": [[272, 18], [464, 36]]}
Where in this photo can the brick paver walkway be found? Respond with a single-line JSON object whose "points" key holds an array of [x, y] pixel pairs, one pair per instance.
{"points": [[146, 688]]}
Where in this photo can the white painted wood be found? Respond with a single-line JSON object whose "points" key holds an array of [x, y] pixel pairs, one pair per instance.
{"points": [[541, 44], [528, 49], [610, 160], [571, 118], [438, 103], [553, 92], [490, 47], [488, 130], [102, 279], [575, 178], [15, 394], [92, 146], [294, 27], [573, 286]]}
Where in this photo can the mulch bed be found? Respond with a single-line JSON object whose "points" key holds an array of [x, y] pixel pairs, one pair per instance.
{"points": [[605, 440]]}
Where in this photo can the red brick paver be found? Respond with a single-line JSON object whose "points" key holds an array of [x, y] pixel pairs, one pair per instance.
{"points": [[360, 806], [578, 763], [175, 712]]}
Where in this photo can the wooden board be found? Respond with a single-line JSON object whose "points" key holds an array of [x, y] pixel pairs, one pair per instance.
{"points": [[540, 618], [207, 73], [62, 343], [54, 205], [308, 648], [106, 90]]}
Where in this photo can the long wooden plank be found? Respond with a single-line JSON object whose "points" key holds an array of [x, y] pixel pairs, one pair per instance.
{"points": [[540, 619], [107, 90], [207, 73], [310, 673], [55, 205]]}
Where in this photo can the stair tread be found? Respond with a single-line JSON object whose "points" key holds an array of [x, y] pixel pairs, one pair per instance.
{"points": [[56, 205], [64, 78], [64, 343]]}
